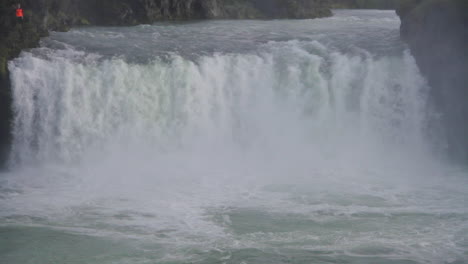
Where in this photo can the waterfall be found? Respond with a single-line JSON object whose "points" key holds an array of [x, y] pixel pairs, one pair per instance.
{"points": [[286, 141], [294, 94]]}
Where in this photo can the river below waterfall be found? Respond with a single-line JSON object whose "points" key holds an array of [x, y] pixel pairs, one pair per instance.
{"points": [[237, 142]]}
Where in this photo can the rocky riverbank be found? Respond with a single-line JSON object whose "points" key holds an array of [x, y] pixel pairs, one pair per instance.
{"points": [[437, 33]]}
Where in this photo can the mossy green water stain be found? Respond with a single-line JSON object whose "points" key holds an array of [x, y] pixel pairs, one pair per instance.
{"points": [[3, 67]]}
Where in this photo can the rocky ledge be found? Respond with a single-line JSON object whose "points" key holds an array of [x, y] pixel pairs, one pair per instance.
{"points": [[365, 4], [437, 33]]}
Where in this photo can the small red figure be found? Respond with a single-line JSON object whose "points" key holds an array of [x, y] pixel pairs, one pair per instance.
{"points": [[19, 12]]}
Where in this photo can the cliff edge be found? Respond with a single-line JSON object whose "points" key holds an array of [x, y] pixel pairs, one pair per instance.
{"points": [[365, 4], [437, 33]]}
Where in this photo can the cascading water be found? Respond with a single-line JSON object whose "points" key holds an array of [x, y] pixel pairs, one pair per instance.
{"points": [[229, 142], [285, 95]]}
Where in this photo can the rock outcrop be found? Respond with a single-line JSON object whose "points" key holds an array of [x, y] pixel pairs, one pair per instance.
{"points": [[126, 12], [60, 15], [365, 4], [437, 33]]}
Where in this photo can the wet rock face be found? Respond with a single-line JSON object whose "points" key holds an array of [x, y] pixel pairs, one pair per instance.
{"points": [[15, 35], [437, 33], [147, 11], [365, 4]]}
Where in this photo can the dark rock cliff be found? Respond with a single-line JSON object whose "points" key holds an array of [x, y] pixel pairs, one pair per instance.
{"points": [[365, 4], [147, 11], [437, 33], [40, 16]]}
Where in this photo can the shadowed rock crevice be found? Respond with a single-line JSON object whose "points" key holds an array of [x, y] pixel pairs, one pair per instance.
{"points": [[437, 33]]}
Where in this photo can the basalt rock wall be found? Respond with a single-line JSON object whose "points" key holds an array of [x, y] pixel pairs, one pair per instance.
{"points": [[365, 4], [437, 33]]}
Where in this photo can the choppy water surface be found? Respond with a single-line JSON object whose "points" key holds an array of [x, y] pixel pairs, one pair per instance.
{"points": [[286, 141]]}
